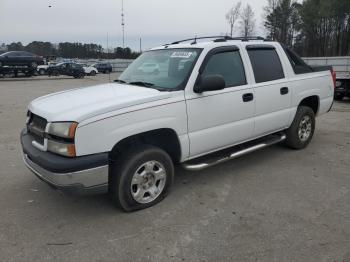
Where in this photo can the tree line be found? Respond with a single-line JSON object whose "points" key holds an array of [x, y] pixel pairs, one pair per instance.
{"points": [[73, 50], [312, 28]]}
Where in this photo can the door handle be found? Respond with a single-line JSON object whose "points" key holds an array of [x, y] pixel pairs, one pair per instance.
{"points": [[284, 90], [248, 97]]}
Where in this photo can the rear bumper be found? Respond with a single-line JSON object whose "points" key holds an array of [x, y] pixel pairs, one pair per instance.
{"points": [[80, 175]]}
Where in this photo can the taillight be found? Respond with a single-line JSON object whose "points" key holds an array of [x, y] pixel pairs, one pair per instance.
{"points": [[334, 76]]}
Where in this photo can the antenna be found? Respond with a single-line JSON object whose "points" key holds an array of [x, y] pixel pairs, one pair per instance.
{"points": [[123, 24]]}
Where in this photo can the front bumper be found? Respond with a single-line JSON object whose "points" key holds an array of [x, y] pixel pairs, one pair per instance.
{"points": [[79, 175], [342, 91]]}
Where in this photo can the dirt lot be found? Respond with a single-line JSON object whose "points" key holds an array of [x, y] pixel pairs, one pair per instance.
{"points": [[273, 205]]}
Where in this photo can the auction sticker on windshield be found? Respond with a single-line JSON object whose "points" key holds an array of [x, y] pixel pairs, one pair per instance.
{"points": [[179, 54]]}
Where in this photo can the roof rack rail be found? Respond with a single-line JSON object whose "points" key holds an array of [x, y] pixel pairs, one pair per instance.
{"points": [[198, 38], [218, 39], [248, 38]]}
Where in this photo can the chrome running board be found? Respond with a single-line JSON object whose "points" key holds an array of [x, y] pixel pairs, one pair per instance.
{"points": [[217, 158]]}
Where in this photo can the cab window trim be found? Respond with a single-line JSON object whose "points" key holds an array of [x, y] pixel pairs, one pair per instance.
{"points": [[264, 47], [220, 50]]}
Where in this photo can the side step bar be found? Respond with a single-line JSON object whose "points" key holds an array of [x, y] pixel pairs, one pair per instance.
{"points": [[217, 158]]}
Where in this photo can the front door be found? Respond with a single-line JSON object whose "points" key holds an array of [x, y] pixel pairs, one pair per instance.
{"points": [[219, 119]]}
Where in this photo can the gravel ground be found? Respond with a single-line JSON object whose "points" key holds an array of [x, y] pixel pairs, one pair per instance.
{"points": [[273, 205]]}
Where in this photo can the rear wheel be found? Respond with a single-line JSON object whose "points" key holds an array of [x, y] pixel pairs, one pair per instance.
{"points": [[141, 178], [300, 133], [92, 73], [42, 71]]}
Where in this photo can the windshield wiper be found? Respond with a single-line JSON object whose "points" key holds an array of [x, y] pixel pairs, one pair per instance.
{"points": [[140, 83], [119, 81]]}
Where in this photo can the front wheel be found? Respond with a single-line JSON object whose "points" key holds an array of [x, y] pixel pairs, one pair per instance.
{"points": [[141, 178], [300, 133]]}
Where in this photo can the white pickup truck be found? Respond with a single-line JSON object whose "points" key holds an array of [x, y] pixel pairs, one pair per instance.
{"points": [[208, 102]]}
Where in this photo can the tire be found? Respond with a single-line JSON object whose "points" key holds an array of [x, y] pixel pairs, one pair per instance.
{"points": [[92, 73], [300, 133], [42, 72], [338, 97], [55, 73], [131, 186]]}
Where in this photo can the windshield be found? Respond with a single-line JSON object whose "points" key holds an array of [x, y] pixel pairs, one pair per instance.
{"points": [[164, 69]]}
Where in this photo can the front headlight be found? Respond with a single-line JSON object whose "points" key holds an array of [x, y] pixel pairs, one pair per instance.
{"points": [[63, 129], [61, 138], [64, 149]]}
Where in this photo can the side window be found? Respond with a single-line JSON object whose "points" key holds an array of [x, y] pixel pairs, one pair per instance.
{"points": [[266, 64], [229, 65], [11, 54], [299, 66]]}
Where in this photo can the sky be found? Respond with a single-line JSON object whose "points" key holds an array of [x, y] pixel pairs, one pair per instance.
{"points": [[90, 21]]}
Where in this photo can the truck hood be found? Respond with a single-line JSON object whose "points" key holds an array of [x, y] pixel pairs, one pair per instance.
{"points": [[83, 103]]}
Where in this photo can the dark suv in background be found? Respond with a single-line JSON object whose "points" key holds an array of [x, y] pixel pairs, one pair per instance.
{"points": [[20, 58], [68, 69], [105, 68]]}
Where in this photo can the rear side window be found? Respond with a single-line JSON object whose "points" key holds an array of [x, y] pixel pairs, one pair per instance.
{"points": [[229, 65], [266, 64]]}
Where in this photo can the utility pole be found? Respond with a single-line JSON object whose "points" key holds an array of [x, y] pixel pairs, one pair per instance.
{"points": [[123, 24]]}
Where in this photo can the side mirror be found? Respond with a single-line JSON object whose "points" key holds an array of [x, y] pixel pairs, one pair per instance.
{"points": [[210, 83]]}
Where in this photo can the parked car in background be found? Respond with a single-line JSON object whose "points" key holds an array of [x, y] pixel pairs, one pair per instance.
{"points": [[342, 87], [212, 102], [89, 70], [341, 65], [20, 58], [68, 69], [104, 68], [42, 69]]}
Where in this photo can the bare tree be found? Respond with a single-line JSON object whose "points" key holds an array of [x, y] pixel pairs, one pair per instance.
{"points": [[233, 15], [248, 21]]}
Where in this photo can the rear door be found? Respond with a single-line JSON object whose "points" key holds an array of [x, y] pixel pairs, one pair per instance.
{"points": [[219, 119], [65, 69], [272, 90]]}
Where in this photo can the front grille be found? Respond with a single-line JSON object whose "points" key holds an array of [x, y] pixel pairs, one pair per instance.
{"points": [[36, 127]]}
